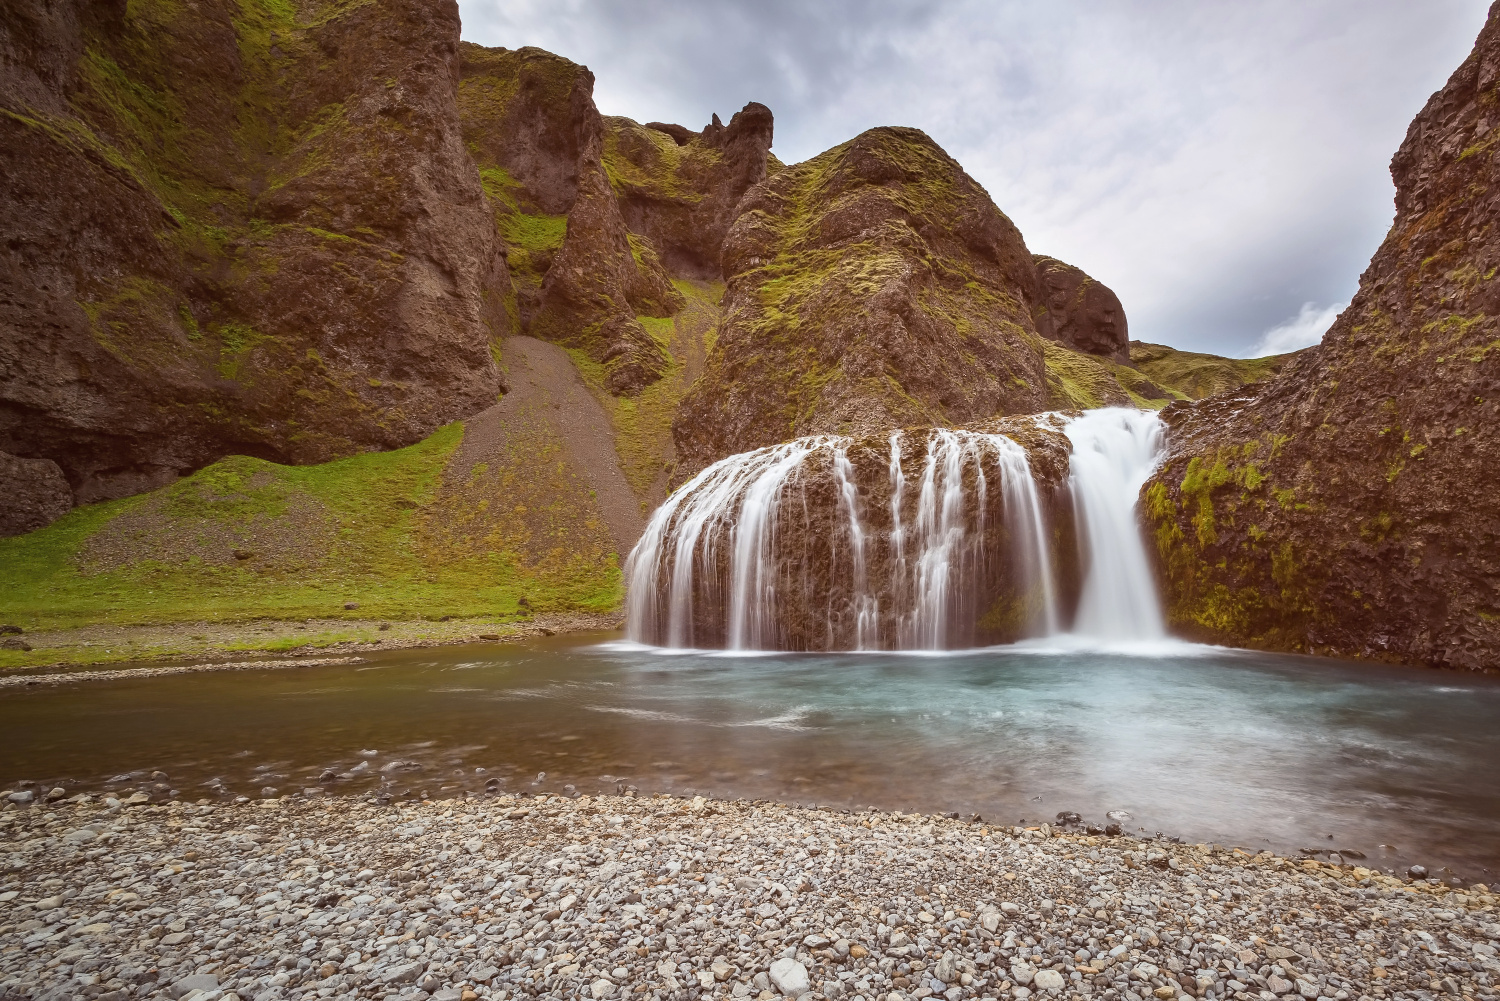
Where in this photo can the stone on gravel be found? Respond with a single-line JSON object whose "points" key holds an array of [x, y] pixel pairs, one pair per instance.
{"points": [[1047, 980], [790, 977], [196, 982]]}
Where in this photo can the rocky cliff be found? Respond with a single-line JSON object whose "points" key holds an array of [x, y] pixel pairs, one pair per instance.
{"points": [[1351, 505], [1081, 312], [231, 228], [873, 286]]}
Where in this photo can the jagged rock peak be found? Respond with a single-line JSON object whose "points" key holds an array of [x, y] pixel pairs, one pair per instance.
{"points": [[1082, 313], [753, 124]]}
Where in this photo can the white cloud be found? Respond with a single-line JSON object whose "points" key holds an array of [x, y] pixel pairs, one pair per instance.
{"points": [[1301, 331], [1216, 164]]}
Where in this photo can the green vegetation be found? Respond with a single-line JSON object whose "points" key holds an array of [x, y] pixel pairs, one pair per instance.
{"points": [[651, 163], [643, 423], [1192, 376], [245, 539], [1077, 381]]}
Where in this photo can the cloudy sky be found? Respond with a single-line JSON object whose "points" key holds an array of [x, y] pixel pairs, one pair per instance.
{"points": [[1221, 165]]}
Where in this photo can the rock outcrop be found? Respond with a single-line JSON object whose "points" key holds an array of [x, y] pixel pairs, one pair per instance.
{"points": [[1082, 313], [235, 229], [581, 279], [681, 190], [36, 494], [1351, 505], [873, 286]]}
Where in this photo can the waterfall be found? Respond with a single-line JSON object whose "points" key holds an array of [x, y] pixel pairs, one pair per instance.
{"points": [[923, 539], [822, 543], [1114, 452]]}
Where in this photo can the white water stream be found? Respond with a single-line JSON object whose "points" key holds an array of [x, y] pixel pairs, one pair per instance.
{"points": [[905, 557], [1114, 452]]}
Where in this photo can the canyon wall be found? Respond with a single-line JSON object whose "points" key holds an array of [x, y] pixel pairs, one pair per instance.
{"points": [[229, 229]]}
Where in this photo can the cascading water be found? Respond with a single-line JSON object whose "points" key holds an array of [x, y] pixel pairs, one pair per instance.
{"points": [[923, 540], [819, 544], [1114, 452]]}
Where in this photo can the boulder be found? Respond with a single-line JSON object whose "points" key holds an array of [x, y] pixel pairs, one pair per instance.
{"points": [[1082, 313], [36, 494]]}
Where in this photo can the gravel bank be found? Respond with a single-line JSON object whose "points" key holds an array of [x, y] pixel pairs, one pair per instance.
{"points": [[660, 898]]}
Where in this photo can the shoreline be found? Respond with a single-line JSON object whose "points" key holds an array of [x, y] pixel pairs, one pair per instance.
{"points": [[153, 650], [606, 897]]}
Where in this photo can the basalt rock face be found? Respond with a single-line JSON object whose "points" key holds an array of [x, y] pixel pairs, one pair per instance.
{"points": [[681, 190], [1351, 505], [232, 229], [1082, 313], [580, 278], [873, 286]]}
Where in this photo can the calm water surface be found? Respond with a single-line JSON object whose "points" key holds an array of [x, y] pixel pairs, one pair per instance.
{"points": [[1248, 749]]}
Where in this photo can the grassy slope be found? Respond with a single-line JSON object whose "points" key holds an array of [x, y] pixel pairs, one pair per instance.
{"points": [[1196, 376], [354, 530]]}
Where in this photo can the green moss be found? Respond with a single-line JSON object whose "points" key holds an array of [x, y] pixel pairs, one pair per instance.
{"points": [[1077, 381], [1195, 376], [532, 233], [366, 533]]}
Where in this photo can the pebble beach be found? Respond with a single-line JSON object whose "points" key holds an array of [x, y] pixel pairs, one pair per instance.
{"points": [[506, 897]]}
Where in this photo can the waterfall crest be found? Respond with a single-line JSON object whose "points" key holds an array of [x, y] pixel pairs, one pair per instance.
{"points": [[923, 539]]}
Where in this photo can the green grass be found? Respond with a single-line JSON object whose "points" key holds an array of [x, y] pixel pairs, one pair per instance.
{"points": [[1196, 376], [364, 531], [1078, 381]]}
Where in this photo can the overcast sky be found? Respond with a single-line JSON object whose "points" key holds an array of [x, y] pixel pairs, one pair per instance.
{"points": [[1221, 165]]}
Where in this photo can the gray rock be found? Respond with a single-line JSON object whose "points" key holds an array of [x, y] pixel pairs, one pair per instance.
{"points": [[790, 977], [196, 982], [1047, 980], [407, 973]]}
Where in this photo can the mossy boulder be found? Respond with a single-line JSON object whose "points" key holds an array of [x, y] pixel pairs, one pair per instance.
{"points": [[873, 286], [1351, 504]]}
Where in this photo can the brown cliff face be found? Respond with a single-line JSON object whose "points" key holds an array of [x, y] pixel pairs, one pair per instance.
{"points": [[580, 280], [1082, 313], [230, 230], [873, 286], [1352, 505]]}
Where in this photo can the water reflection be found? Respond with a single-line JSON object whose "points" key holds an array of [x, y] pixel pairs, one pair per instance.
{"points": [[1229, 746]]}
